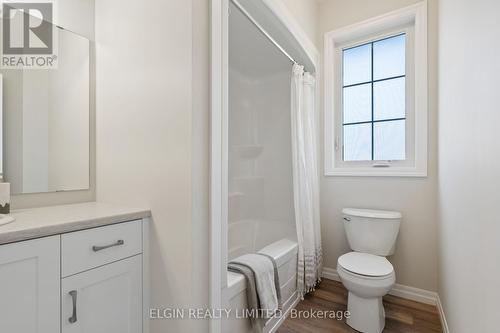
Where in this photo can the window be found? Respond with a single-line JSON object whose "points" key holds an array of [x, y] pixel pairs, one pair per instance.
{"points": [[376, 96], [373, 102]]}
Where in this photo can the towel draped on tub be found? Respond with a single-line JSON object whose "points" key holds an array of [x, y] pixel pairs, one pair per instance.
{"points": [[263, 287]]}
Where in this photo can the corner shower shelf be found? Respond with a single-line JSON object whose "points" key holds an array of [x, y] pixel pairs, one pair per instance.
{"points": [[236, 194], [249, 151], [248, 178]]}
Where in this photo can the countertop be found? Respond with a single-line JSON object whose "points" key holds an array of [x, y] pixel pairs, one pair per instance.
{"points": [[46, 221]]}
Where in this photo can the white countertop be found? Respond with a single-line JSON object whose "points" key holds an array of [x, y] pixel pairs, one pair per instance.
{"points": [[46, 221]]}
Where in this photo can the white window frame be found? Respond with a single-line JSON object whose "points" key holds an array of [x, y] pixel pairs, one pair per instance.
{"points": [[412, 21]]}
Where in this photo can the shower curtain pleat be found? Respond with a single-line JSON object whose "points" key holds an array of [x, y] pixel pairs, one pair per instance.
{"points": [[305, 179]]}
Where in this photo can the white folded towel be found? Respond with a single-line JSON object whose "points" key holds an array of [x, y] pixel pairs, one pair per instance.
{"points": [[263, 269]]}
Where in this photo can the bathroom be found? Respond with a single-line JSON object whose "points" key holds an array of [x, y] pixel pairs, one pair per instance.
{"points": [[164, 146]]}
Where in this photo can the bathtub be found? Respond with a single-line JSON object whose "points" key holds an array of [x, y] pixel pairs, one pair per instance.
{"points": [[284, 252]]}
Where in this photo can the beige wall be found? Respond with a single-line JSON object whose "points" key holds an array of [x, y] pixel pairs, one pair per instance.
{"points": [[200, 159], [469, 162], [306, 14], [415, 260], [152, 134], [339, 13]]}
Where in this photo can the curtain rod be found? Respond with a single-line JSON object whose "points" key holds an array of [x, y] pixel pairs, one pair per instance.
{"points": [[263, 31]]}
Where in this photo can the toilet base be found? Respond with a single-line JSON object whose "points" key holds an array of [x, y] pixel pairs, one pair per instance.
{"points": [[367, 315]]}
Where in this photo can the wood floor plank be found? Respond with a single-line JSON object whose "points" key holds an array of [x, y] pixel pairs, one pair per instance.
{"points": [[402, 316]]}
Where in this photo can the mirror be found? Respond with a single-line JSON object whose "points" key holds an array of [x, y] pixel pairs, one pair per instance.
{"points": [[46, 121]]}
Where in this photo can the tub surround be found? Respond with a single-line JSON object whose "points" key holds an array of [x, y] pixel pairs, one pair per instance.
{"points": [[46, 221]]}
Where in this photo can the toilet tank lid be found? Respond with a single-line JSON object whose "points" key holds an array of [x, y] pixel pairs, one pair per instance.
{"points": [[371, 213]]}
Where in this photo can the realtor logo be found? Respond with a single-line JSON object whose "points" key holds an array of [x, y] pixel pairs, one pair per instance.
{"points": [[28, 35]]}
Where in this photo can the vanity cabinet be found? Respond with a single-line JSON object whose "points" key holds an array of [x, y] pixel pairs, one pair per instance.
{"points": [[87, 281], [107, 299], [30, 286], [102, 285]]}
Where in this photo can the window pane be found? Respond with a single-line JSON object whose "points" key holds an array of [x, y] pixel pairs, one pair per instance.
{"points": [[357, 142], [389, 140], [357, 64], [389, 99], [358, 103], [389, 57]]}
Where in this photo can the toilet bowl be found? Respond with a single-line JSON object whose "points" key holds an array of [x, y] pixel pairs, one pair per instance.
{"points": [[365, 272], [368, 278]]}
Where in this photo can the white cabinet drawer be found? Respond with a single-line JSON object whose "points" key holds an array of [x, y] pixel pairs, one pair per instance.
{"points": [[86, 249]]}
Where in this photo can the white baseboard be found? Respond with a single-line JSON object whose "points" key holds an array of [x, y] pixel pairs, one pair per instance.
{"points": [[399, 290], [414, 294], [331, 274], [444, 324]]}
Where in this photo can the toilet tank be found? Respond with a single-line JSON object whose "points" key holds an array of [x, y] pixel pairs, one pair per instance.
{"points": [[371, 231]]}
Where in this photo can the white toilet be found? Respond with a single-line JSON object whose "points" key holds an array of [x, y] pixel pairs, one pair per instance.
{"points": [[366, 273]]}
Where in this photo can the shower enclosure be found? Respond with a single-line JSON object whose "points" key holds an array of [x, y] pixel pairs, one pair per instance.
{"points": [[260, 203], [254, 44]]}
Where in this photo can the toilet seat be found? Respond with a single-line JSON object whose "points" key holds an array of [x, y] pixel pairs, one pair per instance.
{"points": [[365, 264]]}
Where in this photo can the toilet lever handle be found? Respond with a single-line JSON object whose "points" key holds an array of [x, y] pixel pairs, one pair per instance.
{"points": [[347, 219]]}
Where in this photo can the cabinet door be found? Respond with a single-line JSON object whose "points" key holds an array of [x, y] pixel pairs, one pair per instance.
{"points": [[107, 299], [30, 286]]}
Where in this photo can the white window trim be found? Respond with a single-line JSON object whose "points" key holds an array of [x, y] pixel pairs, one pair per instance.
{"points": [[415, 15]]}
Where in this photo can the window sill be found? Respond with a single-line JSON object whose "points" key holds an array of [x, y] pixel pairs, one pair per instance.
{"points": [[376, 172]]}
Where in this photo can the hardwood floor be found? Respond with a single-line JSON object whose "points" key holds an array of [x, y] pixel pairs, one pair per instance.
{"points": [[402, 316]]}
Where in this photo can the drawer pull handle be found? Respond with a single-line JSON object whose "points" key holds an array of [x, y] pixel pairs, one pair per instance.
{"points": [[99, 248], [72, 319]]}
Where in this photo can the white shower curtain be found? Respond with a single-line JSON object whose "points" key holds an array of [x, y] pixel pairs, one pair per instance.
{"points": [[305, 179]]}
